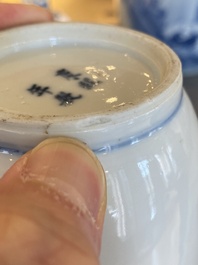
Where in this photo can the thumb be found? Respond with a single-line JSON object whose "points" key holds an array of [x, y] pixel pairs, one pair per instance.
{"points": [[52, 206]]}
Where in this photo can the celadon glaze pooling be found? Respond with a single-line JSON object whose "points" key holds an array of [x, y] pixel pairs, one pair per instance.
{"points": [[120, 92]]}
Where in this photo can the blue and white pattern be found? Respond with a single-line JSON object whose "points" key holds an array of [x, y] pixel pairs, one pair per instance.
{"points": [[42, 3], [175, 22]]}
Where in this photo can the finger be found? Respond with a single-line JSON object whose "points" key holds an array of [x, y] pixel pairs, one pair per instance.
{"points": [[52, 202], [12, 15]]}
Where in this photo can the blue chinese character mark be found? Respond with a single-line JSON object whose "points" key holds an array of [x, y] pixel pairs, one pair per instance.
{"points": [[68, 75], [66, 98], [39, 90], [88, 83], [85, 82]]}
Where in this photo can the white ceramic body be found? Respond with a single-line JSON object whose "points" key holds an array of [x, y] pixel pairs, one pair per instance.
{"points": [[152, 215], [152, 196], [149, 153]]}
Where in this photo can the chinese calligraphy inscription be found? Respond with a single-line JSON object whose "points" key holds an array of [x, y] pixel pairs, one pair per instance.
{"points": [[64, 97], [38, 90]]}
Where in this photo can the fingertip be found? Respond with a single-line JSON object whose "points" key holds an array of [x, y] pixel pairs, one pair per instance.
{"points": [[66, 176], [12, 15], [79, 174]]}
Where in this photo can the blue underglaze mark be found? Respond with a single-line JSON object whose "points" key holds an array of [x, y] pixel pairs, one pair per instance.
{"points": [[137, 138], [10, 151], [109, 148]]}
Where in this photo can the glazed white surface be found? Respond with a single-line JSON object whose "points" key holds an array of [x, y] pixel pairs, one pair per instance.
{"points": [[152, 197], [151, 216], [120, 78], [149, 153], [26, 119], [130, 72]]}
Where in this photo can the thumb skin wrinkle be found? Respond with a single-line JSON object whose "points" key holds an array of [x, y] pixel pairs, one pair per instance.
{"points": [[65, 178]]}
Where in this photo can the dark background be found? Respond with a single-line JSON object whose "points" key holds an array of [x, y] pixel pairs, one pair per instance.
{"points": [[191, 87]]}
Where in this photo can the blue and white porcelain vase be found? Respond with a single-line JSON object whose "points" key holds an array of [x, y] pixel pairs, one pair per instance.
{"points": [[175, 22]]}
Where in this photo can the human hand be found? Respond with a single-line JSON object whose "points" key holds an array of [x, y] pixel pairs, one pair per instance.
{"points": [[52, 206], [12, 15], [53, 199]]}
